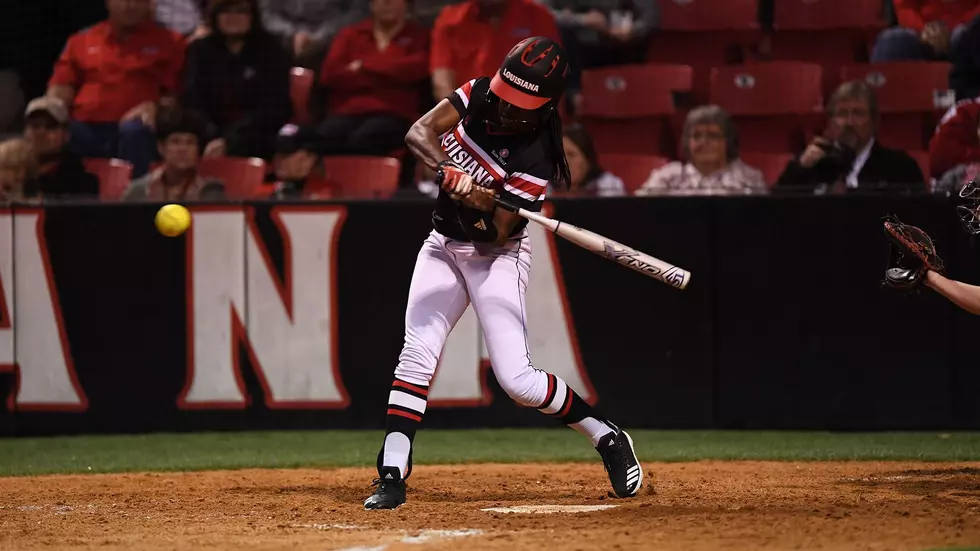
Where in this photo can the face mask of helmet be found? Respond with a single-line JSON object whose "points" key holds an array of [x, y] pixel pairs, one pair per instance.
{"points": [[969, 212], [514, 119]]}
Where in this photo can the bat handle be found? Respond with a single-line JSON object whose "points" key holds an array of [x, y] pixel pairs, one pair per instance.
{"points": [[505, 205]]}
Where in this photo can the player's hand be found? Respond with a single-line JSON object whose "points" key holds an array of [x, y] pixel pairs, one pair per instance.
{"points": [[455, 181], [480, 198], [814, 152]]}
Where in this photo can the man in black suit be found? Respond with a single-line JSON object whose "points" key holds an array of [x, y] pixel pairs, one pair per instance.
{"points": [[848, 158]]}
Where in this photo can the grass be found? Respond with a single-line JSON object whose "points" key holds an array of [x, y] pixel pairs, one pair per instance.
{"points": [[235, 450]]}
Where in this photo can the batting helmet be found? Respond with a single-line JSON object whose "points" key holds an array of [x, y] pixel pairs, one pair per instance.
{"points": [[533, 74]]}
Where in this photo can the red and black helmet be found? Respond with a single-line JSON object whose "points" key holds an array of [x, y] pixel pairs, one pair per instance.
{"points": [[533, 73]]}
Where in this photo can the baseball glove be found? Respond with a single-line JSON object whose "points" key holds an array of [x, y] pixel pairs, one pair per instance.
{"points": [[911, 254]]}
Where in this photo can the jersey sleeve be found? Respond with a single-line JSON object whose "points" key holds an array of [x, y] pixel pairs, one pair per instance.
{"points": [[470, 95], [526, 188]]}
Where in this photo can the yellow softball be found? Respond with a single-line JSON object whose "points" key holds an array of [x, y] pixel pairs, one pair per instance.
{"points": [[172, 220]]}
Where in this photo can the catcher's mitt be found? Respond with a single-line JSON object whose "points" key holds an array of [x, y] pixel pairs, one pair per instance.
{"points": [[916, 254]]}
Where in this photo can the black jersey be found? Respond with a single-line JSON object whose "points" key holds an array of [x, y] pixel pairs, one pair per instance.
{"points": [[517, 166]]}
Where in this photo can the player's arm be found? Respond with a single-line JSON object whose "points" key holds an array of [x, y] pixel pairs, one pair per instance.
{"points": [[961, 294], [423, 138]]}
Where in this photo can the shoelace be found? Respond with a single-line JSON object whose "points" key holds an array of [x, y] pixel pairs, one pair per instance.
{"points": [[380, 482], [620, 458]]}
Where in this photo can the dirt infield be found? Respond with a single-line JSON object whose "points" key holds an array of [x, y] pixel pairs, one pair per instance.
{"points": [[691, 506]]}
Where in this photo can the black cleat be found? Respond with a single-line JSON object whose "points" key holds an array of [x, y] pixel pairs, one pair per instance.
{"points": [[619, 459], [390, 492]]}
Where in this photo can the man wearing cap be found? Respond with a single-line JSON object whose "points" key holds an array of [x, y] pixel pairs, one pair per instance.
{"points": [[180, 141], [61, 173], [297, 162]]}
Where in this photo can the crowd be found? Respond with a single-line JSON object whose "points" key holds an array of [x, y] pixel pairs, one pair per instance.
{"points": [[165, 85]]}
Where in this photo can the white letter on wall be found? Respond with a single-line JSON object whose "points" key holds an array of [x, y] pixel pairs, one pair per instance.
{"points": [[289, 327], [32, 336]]}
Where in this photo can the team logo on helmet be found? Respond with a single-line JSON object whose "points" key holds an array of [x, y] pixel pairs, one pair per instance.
{"points": [[542, 55]]}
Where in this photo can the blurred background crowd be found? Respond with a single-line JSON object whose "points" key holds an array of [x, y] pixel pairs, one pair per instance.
{"points": [[183, 100]]}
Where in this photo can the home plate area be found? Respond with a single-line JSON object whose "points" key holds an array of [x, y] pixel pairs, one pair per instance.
{"points": [[704, 505]]}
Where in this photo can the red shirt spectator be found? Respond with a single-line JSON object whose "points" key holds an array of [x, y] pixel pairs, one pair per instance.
{"points": [[914, 14], [386, 81], [111, 75], [956, 140], [471, 39]]}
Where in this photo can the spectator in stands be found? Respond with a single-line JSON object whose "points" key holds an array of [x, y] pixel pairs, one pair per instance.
{"points": [[588, 177], [425, 12], [600, 33], [180, 137], [297, 163], [848, 157], [114, 75], [238, 76], [956, 143], [374, 78], [926, 30], [60, 173], [17, 167], [308, 26], [711, 162], [964, 78], [185, 17], [469, 39]]}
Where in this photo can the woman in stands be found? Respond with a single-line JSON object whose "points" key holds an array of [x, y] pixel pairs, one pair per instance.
{"points": [[711, 164], [588, 176], [238, 76]]}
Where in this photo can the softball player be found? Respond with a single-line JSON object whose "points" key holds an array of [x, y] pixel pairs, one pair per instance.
{"points": [[499, 135]]}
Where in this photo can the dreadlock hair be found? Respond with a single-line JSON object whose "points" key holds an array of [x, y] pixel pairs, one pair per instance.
{"points": [[556, 141], [551, 124]]}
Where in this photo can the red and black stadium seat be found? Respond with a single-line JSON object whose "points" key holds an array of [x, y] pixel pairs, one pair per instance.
{"points": [[634, 170], [773, 104], [772, 165], [628, 108], [361, 177], [242, 176], [704, 34], [114, 176], [832, 33]]}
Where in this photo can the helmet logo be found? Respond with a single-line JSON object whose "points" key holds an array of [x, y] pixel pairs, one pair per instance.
{"points": [[527, 53], [554, 64], [519, 81]]}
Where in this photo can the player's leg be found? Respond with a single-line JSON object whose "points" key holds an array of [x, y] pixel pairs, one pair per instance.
{"points": [[437, 299], [497, 285]]}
